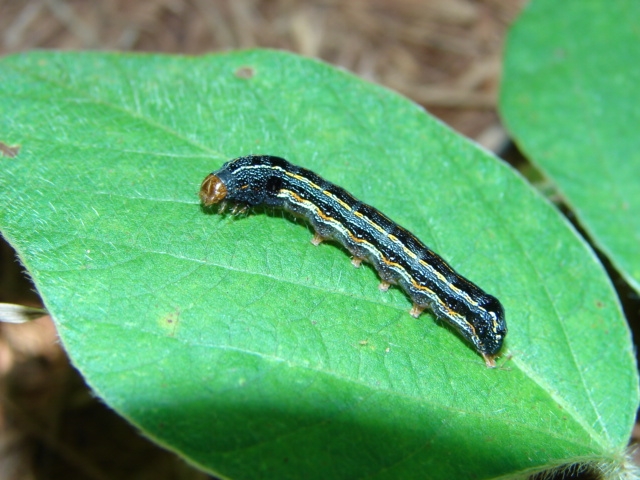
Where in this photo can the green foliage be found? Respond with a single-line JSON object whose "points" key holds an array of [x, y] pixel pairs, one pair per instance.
{"points": [[570, 98], [257, 355]]}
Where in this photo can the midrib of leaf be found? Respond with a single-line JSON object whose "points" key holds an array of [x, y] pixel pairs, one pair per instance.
{"points": [[208, 263]]}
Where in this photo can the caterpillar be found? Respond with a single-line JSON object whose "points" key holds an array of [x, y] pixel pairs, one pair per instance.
{"points": [[369, 235]]}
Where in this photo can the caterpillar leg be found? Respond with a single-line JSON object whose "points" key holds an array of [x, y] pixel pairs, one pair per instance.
{"points": [[416, 310], [356, 261], [489, 360], [383, 286], [239, 209], [317, 239]]}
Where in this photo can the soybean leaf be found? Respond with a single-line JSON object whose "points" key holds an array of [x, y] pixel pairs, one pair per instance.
{"points": [[569, 97], [257, 355]]}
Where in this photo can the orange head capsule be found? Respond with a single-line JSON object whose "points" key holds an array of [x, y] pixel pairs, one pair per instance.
{"points": [[212, 190]]}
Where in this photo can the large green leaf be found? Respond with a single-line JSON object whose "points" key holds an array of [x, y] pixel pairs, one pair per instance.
{"points": [[257, 355], [570, 97]]}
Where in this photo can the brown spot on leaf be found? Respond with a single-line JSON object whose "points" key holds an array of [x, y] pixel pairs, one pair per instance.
{"points": [[8, 150], [170, 322], [245, 72]]}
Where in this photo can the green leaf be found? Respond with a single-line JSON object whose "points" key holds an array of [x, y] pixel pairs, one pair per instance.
{"points": [[570, 98], [257, 355]]}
